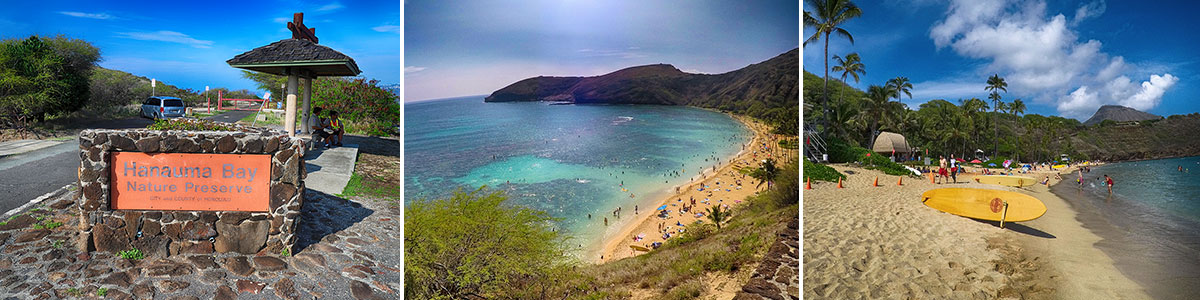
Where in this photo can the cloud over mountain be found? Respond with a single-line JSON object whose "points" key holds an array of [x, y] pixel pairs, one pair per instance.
{"points": [[1043, 56]]}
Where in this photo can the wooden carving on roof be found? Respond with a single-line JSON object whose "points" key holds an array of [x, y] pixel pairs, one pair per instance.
{"points": [[299, 31]]}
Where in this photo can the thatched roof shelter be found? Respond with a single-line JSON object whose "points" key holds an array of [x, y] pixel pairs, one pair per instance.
{"points": [[887, 142]]}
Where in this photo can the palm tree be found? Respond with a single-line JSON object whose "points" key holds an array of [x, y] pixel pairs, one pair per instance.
{"points": [[850, 66], [877, 105], [996, 83], [765, 173], [902, 86], [718, 215], [974, 109], [830, 14], [844, 113], [1016, 108]]}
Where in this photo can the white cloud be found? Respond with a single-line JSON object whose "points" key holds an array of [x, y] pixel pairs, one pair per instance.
{"points": [[166, 36], [330, 7], [1041, 55], [282, 20], [1089, 10], [387, 28], [98, 16], [413, 69]]}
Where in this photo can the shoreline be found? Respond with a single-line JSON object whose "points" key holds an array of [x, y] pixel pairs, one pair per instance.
{"points": [[1147, 244], [1068, 247], [612, 247]]}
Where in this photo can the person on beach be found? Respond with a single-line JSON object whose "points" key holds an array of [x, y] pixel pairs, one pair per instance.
{"points": [[606, 221], [942, 168], [953, 168], [1109, 182]]}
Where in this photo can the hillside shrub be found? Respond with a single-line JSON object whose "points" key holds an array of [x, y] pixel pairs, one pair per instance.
{"points": [[41, 77]]}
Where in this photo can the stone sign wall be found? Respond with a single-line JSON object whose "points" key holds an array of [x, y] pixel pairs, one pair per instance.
{"points": [[163, 233]]}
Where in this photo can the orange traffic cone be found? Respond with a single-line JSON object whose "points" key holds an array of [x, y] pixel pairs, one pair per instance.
{"points": [[808, 186], [876, 180], [900, 181], [839, 183], [931, 177]]}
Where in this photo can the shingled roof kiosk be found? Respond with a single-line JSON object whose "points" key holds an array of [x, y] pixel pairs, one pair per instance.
{"points": [[297, 57]]}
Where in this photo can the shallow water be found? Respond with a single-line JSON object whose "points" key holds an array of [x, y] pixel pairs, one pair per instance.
{"points": [[1148, 224], [568, 160]]}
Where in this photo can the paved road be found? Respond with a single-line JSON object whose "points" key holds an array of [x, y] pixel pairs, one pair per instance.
{"points": [[26, 176], [230, 116], [29, 175]]}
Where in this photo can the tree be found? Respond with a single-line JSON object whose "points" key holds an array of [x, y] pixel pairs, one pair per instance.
{"points": [[1016, 108], [850, 66], [473, 245], [718, 215], [995, 83], [877, 105], [830, 14], [42, 76]]}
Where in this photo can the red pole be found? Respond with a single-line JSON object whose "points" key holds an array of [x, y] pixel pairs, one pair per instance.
{"points": [[219, 99]]}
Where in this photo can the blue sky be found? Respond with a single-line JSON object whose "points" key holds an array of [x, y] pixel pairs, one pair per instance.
{"points": [[186, 43], [1060, 57], [455, 48]]}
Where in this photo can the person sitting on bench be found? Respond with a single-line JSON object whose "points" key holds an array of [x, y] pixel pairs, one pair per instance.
{"points": [[321, 124]]}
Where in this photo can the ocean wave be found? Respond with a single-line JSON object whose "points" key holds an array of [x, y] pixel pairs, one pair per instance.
{"points": [[621, 119]]}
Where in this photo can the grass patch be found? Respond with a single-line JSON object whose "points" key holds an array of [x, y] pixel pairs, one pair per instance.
{"points": [[101, 292], [133, 254], [47, 224], [360, 185]]}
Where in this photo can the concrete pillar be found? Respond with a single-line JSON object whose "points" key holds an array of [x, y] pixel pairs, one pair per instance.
{"points": [[289, 119], [306, 127]]}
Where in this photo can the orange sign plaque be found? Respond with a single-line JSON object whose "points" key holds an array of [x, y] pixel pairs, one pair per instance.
{"points": [[186, 181]]}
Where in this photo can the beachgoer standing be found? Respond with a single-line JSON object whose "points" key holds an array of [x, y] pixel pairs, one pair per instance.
{"points": [[941, 167], [605, 221], [953, 168], [1108, 180]]}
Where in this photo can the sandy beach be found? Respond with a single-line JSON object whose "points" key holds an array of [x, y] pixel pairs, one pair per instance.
{"points": [[874, 242], [647, 222]]}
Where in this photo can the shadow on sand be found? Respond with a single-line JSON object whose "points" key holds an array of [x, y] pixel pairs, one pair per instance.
{"points": [[325, 214], [1017, 227]]}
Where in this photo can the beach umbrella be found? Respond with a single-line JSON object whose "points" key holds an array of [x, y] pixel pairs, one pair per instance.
{"points": [[991, 164], [976, 161], [662, 207]]}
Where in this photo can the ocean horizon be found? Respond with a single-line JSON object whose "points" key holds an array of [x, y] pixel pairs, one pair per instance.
{"points": [[571, 161]]}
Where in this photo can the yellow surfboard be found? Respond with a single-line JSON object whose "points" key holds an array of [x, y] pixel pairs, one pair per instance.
{"points": [[1013, 181], [985, 204], [639, 248], [1058, 166]]}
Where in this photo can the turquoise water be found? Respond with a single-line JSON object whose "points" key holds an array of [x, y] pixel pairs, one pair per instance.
{"points": [[1148, 224], [567, 160]]}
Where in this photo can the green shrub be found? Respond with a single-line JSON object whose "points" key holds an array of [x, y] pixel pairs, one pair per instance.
{"points": [[842, 152], [189, 124], [882, 163], [816, 171]]}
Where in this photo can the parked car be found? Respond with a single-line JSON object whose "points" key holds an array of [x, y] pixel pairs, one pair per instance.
{"points": [[161, 107]]}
